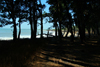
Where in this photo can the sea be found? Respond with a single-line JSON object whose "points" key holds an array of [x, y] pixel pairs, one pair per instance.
{"points": [[7, 33]]}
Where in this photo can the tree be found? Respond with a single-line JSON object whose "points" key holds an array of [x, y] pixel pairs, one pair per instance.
{"points": [[10, 8]]}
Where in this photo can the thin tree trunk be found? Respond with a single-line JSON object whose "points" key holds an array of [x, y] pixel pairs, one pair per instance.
{"points": [[82, 36], [83, 29], [59, 12], [41, 25], [35, 29], [80, 32], [41, 20], [88, 32], [68, 29], [97, 28], [56, 30], [60, 33], [93, 30], [48, 33], [64, 30], [35, 18], [30, 20], [72, 36], [74, 30], [98, 31], [19, 30], [31, 29], [70, 24]]}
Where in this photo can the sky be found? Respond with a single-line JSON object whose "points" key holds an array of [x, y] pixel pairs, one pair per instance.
{"points": [[26, 25], [45, 25]]}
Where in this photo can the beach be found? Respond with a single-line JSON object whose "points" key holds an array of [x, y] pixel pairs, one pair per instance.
{"points": [[7, 34]]}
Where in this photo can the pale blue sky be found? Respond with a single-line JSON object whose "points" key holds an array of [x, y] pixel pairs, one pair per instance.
{"points": [[45, 25]]}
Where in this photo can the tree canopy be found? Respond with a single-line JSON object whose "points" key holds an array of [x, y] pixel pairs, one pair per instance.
{"points": [[84, 15]]}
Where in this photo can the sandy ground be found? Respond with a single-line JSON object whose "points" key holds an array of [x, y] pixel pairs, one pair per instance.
{"points": [[48, 53], [69, 34]]}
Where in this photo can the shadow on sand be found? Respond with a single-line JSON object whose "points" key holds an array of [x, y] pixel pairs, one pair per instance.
{"points": [[67, 54], [49, 53]]}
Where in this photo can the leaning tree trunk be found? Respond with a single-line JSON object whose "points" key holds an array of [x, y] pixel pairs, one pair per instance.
{"points": [[68, 29], [64, 31]]}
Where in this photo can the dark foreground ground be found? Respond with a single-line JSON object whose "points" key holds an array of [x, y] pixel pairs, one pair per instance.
{"points": [[48, 53]]}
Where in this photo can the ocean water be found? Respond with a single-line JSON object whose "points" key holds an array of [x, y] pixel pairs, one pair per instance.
{"points": [[7, 33]]}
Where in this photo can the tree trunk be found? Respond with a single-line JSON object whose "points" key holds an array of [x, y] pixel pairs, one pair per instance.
{"points": [[14, 31], [93, 31], [74, 30], [68, 29], [88, 32], [19, 30], [83, 29], [64, 31], [98, 31], [14, 22], [80, 32], [35, 18], [59, 17], [72, 36], [82, 35], [97, 28], [56, 30], [70, 24], [35, 29], [59, 29], [41, 20], [48, 33], [31, 29], [41, 25], [30, 20]]}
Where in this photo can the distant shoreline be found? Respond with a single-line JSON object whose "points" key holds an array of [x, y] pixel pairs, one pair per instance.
{"points": [[7, 34]]}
